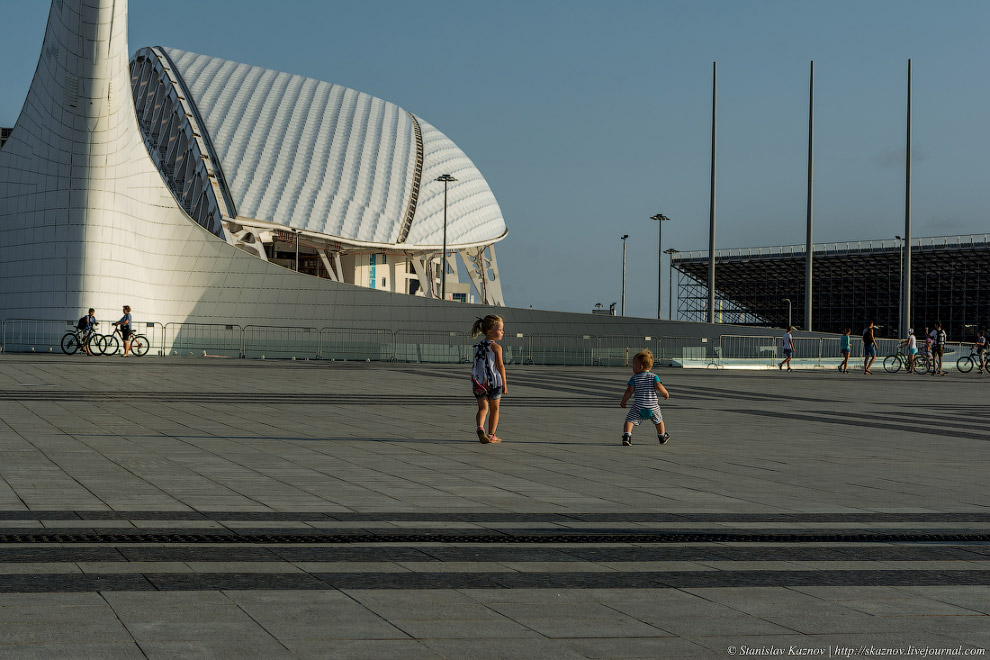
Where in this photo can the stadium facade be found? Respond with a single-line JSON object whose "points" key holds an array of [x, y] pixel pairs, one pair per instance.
{"points": [[96, 195], [853, 283]]}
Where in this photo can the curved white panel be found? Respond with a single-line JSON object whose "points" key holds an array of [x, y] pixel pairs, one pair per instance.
{"points": [[316, 156]]}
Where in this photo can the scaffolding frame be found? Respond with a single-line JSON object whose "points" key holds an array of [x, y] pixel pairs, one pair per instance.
{"points": [[853, 283]]}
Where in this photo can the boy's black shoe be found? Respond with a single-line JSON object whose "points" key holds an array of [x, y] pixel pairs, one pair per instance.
{"points": [[627, 441], [663, 438]]}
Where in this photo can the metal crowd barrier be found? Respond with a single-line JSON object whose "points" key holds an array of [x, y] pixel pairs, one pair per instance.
{"points": [[200, 339], [280, 342], [453, 347], [34, 336], [361, 344]]}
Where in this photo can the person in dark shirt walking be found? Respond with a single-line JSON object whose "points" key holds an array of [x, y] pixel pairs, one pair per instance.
{"points": [[869, 348]]}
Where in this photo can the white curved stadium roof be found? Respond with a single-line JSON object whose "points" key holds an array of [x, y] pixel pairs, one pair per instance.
{"points": [[327, 159]]}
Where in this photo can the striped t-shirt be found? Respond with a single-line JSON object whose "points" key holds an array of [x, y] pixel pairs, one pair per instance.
{"points": [[644, 387]]}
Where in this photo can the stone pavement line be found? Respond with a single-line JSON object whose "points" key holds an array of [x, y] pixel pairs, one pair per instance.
{"points": [[792, 531]]}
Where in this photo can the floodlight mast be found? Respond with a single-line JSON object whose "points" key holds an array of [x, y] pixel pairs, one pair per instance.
{"points": [[622, 310], [660, 218], [446, 178]]}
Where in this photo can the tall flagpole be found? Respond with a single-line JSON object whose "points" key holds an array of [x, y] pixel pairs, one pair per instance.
{"points": [[811, 174], [711, 207], [906, 274]]}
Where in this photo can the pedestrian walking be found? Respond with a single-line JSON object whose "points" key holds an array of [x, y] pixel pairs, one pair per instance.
{"points": [[939, 338], [646, 406], [845, 349], [488, 375], [869, 348], [788, 349]]}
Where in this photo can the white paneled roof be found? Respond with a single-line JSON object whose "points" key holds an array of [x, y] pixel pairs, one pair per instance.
{"points": [[327, 159]]}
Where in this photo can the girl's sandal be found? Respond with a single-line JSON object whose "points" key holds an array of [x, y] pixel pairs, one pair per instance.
{"points": [[483, 437], [494, 438]]}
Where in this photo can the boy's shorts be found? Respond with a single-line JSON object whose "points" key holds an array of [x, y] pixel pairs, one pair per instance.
{"points": [[635, 415], [493, 394], [870, 351]]}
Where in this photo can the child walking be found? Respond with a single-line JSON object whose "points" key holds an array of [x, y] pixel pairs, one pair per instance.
{"points": [[645, 385], [488, 375], [844, 348]]}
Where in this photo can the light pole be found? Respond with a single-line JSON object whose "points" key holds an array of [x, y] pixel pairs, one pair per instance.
{"points": [[900, 281], [622, 309], [446, 178], [296, 232], [788, 301], [660, 218], [671, 309]]}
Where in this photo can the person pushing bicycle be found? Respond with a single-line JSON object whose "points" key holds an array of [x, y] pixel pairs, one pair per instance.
{"points": [[980, 348], [125, 329], [87, 326], [911, 343]]}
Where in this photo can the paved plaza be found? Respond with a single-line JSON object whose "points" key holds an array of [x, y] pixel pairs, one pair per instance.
{"points": [[212, 508]]}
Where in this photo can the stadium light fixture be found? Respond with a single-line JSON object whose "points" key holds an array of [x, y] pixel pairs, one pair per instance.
{"points": [[446, 178], [296, 232], [670, 252], [660, 218]]}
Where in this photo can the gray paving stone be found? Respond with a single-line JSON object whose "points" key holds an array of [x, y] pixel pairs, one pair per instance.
{"points": [[752, 452], [211, 647], [363, 649], [629, 649], [316, 616], [77, 650], [506, 648]]}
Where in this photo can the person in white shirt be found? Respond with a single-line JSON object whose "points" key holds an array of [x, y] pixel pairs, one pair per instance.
{"points": [[788, 349], [911, 343]]}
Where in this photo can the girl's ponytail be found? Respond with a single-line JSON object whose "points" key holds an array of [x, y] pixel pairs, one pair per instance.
{"points": [[483, 325]]}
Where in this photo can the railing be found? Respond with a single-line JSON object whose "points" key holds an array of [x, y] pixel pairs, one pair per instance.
{"points": [[280, 342], [452, 347], [34, 336], [200, 339], [848, 247]]}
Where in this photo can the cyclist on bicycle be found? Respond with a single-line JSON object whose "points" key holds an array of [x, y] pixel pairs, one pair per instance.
{"points": [[980, 347], [125, 329], [87, 326]]}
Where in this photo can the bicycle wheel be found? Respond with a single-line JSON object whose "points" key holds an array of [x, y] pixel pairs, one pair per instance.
{"points": [[921, 364], [70, 343], [892, 364], [965, 364], [139, 345], [109, 344]]}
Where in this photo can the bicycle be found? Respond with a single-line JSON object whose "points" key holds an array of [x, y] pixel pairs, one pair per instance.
{"points": [[74, 340], [966, 363], [894, 363], [110, 344]]}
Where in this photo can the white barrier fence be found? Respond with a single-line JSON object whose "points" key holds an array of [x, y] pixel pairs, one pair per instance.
{"points": [[438, 347]]}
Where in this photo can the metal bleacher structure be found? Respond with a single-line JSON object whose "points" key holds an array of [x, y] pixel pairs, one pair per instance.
{"points": [[853, 282]]}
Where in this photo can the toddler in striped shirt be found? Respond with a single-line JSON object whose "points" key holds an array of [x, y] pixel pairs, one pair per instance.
{"points": [[646, 406]]}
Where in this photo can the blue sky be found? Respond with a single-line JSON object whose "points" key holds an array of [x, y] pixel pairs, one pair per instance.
{"points": [[587, 117]]}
